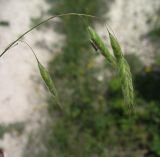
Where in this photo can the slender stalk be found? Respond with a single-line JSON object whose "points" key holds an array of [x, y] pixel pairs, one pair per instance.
{"points": [[46, 78], [52, 17]]}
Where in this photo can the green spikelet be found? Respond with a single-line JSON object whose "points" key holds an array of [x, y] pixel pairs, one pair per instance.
{"points": [[47, 79], [101, 46], [126, 82], [124, 72], [49, 83], [116, 47]]}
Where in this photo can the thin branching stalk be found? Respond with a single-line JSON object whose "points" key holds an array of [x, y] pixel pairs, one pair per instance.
{"points": [[43, 22]]}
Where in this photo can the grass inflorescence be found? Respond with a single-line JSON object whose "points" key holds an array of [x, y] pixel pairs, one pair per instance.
{"points": [[117, 61]]}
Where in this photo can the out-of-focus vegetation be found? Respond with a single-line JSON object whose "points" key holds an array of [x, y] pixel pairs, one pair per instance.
{"points": [[154, 34], [96, 122], [4, 23], [10, 128]]}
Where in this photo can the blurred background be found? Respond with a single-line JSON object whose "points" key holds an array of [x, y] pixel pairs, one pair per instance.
{"points": [[96, 122]]}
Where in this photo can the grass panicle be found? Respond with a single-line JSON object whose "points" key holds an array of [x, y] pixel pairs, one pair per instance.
{"points": [[117, 61]]}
